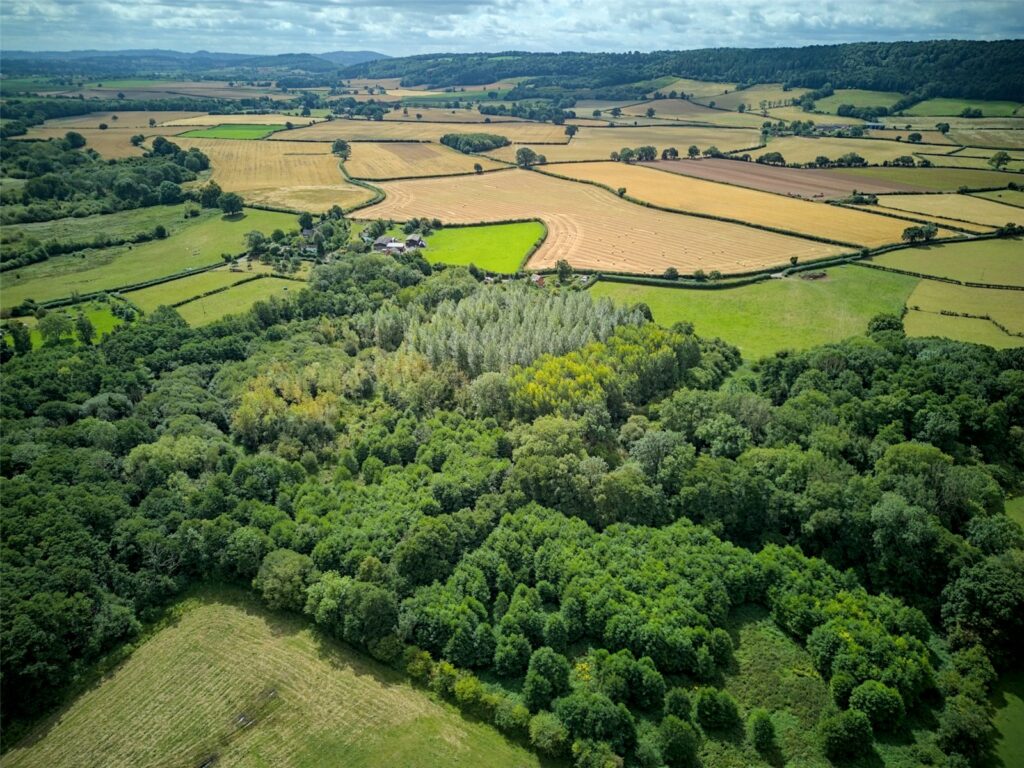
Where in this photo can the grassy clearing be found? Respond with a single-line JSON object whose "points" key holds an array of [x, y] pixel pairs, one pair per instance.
{"points": [[1004, 306], [496, 248], [313, 702], [1008, 700], [235, 300], [770, 316], [953, 107], [930, 179], [997, 262], [857, 98], [195, 245], [968, 329], [236, 131], [98, 312]]}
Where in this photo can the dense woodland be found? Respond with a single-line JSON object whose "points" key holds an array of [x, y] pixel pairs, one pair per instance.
{"points": [[542, 507]]}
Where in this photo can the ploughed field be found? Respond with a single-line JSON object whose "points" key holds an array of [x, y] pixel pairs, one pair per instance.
{"points": [[591, 228], [755, 207]]}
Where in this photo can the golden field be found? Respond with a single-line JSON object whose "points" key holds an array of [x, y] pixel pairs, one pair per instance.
{"points": [[123, 119], [264, 119], [439, 115], [800, 149], [688, 111], [111, 143], [393, 160], [376, 130], [686, 193], [697, 88], [752, 97], [599, 143], [592, 228], [303, 176], [962, 207]]}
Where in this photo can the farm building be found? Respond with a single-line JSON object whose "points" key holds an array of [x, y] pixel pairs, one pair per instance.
{"points": [[382, 242], [415, 241]]}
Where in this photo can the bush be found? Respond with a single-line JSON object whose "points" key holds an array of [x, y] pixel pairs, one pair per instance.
{"points": [[762, 731], [882, 704], [678, 704], [846, 735], [548, 735], [679, 743], [716, 710]]}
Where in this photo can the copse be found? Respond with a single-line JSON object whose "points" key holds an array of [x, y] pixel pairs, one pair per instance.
{"points": [[471, 143]]}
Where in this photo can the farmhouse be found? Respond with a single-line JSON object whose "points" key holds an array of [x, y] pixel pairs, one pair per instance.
{"points": [[415, 241], [382, 242]]}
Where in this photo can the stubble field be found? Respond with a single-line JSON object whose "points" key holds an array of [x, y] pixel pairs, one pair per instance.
{"points": [[799, 149], [592, 228], [392, 160], [963, 207], [377, 130]]}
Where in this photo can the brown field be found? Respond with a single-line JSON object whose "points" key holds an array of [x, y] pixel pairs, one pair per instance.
{"points": [[685, 193], [124, 119], [592, 228], [771, 92], [372, 130], [437, 115], [273, 118], [303, 176], [994, 138], [799, 149], [697, 88], [1004, 306], [820, 118], [599, 143], [962, 207], [112, 143], [798, 182], [362, 82], [688, 111], [394, 160]]}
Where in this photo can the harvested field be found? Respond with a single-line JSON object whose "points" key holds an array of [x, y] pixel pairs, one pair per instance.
{"points": [[928, 179], [162, 89], [927, 137], [394, 160], [799, 182], [592, 228], [302, 176], [962, 207], [440, 115], [271, 118], [599, 143], [1007, 196], [967, 161], [123, 119], [773, 93], [956, 123], [373, 130], [689, 194], [1006, 307], [997, 262], [111, 143], [969, 329], [235, 300], [698, 88], [689, 111], [993, 138], [305, 700], [857, 98], [585, 107], [953, 107], [796, 113], [800, 149]]}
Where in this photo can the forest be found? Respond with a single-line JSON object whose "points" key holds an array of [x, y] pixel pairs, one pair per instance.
{"points": [[541, 506]]}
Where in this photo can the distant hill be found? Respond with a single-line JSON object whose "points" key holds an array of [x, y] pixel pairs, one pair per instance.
{"points": [[348, 58]]}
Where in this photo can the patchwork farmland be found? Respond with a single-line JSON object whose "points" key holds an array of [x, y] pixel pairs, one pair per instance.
{"points": [[962, 207], [367, 130], [593, 229]]}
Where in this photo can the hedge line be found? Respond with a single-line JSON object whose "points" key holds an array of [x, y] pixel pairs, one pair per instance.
{"points": [[922, 275], [951, 313], [645, 204], [442, 175], [378, 193], [534, 248], [248, 279]]}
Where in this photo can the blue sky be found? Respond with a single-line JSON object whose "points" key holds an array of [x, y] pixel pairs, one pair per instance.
{"points": [[404, 27]]}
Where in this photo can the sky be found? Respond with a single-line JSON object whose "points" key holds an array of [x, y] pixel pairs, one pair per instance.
{"points": [[405, 27]]}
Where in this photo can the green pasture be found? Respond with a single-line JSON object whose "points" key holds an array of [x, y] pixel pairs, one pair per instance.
{"points": [[773, 315], [183, 289], [236, 299], [970, 329], [997, 262], [857, 98], [953, 107], [114, 225], [234, 131], [495, 248], [98, 312]]}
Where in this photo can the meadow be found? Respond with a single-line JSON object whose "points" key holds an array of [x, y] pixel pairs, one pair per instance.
{"points": [[394, 160], [969, 161], [698, 88], [690, 111], [691, 195], [234, 131], [997, 262], [969, 329], [234, 300], [175, 291], [301, 176], [774, 93], [114, 225], [858, 98], [797, 113], [123, 119], [1006, 196], [994, 138], [232, 683], [592, 228], [198, 244], [103, 320], [953, 107], [1005, 307], [497, 248], [769, 316], [962, 207], [443, 115]]}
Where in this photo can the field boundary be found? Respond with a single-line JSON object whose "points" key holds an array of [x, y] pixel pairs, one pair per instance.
{"points": [[965, 283], [507, 167], [968, 315], [378, 193]]}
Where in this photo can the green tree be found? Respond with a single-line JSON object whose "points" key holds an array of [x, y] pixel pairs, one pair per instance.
{"points": [[341, 148], [679, 743], [85, 332], [74, 139], [21, 336], [526, 157], [999, 160], [511, 655], [209, 196], [571, 130], [54, 327], [882, 704], [282, 579], [761, 731], [231, 203], [564, 270], [846, 735], [693, 151], [547, 734], [547, 678]]}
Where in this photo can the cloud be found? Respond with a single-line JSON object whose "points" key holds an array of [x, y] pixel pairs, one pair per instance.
{"points": [[405, 27]]}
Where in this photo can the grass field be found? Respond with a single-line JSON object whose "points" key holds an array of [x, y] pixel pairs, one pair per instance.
{"points": [[690, 111], [969, 329], [773, 315], [389, 130], [114, 225], [312, 701], [599, 143], [990, 137], [393, 160], [752, 97], [496, 248], [799, 149], [698, 88], [927, 179], [673, 190], [1008, 700], [162, 89], [969, 161], [1015, 511], [234, 131], [148, 299], [963, 207], [797, 113], [592, 228], [1006, 196], [200, 243], [986, 261], [953, 107], [927, 137], [857, 98], [303, 176], [1006, 307], [234, 300]]}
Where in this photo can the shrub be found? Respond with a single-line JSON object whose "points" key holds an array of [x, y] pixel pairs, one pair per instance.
{"points": [[548, 735], [846, 735], [882, 704], [678, 704], [716, 710], [678, 743], [762, 731]]}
